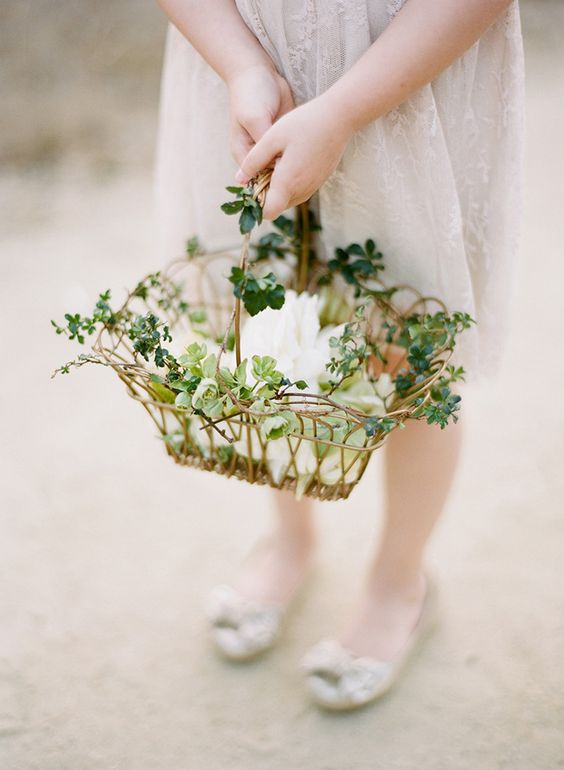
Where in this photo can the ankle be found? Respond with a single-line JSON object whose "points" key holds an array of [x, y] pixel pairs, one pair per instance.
{"points": [[409, 585], [302, 535], [298, 542]]}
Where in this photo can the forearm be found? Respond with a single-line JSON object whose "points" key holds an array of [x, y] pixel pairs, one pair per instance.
{"points": [[217, 31], [423, 39]]}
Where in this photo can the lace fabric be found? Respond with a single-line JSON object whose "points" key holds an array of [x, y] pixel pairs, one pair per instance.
{"points": [[437, 181]]}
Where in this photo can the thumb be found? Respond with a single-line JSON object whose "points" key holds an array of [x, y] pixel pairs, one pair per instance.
{"points": [[276, 202], [261, 156], [279, 192]]}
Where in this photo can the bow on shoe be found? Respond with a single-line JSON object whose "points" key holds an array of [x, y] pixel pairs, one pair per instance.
{"points": [[241, 627], [339, 679]]}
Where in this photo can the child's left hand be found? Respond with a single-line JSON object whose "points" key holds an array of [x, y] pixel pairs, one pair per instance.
{"points": [[305, 147]]}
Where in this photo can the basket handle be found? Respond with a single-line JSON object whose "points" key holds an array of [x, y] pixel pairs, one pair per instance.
{"points": [[260, 185]]}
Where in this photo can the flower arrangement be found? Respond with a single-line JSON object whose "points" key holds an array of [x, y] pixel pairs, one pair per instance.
{"points": [[299, 380]]}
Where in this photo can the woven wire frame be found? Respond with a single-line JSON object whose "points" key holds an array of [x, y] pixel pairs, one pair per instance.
{"points": [[326, 457]]}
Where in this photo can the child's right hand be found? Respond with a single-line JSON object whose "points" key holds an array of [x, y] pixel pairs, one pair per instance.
{"points": [[258, 96]]}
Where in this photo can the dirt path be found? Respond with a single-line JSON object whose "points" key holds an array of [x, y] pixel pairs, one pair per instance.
{"points": [[107, 549]]}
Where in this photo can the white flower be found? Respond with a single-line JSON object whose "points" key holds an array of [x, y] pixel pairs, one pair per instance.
{"points": [[292, 336], [283, 456], [384, 386], [303, 463], [201, 437], [331, 468], [338, 459], [278, 458], [277, 451]]}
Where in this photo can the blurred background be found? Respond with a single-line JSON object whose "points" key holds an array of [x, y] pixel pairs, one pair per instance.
{"points": [[107, 549]]}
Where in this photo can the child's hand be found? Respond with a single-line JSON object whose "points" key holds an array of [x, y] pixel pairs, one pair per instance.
{"points": [[306, 146], [257, 97]]}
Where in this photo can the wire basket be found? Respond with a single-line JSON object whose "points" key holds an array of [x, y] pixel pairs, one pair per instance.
{"points": [[325, 443]]}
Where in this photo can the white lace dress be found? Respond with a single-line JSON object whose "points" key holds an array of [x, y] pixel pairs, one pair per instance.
{"points": [[436, 182]]}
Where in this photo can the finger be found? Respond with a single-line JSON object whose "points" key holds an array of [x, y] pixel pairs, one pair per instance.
{"points": [[261, 156], [276, 202], [241, 144], [279, 192]]}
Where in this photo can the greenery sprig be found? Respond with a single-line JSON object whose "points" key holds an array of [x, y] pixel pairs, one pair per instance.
{"points": [[350, 348], [424, 336], [257, 293], [147, 331], [357, 264], [77, 326], [249, 210], [286, 239], [444, 404]]}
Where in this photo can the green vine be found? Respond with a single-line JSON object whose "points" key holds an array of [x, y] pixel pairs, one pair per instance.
{"points": [[196, 382], [249, 209], [257, 293]]}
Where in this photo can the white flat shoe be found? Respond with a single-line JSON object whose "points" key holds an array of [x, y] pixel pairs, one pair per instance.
{"points": [[340, 681], [242, 628]]}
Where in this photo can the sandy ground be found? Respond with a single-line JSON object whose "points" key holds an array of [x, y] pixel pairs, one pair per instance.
{"points": [[108, 549]]}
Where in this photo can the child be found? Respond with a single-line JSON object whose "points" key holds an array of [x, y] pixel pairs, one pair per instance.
{"points": [[404, 120]]}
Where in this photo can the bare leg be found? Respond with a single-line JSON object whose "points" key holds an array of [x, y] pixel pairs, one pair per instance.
{"points": [[277, 565], [420, 464]]}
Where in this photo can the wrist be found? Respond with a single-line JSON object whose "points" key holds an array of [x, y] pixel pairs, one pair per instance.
{"points": [[250, 67], [347, 111]]}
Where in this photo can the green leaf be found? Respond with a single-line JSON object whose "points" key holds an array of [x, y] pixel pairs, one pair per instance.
{"points": [[183, 401], [245, 204], [254, 302], [257, 293], [225, 453], [263, 367], [232, 207], [228, 377], [247, 220], [237, 275], [195, 352], [209, 366], [188, 385], [213, 408], [285, 225], [276, 297], [198, 317], [375, 425], [241, 373], [163, 393], [270, 245], [278, 425], [193, 248]]}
